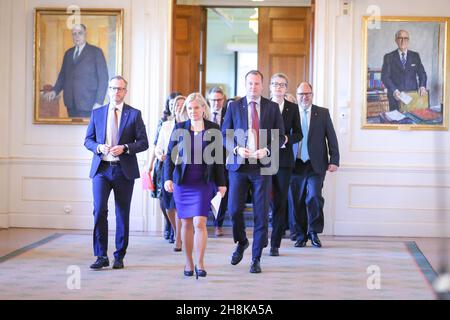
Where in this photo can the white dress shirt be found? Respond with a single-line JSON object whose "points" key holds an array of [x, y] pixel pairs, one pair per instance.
{"points": [[219, 116], [80, 49]]}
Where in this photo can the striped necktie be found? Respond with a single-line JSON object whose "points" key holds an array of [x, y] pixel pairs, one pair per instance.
{"points": [[255, 123], [403, 60]]}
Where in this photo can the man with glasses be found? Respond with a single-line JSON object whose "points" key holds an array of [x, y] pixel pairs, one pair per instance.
{"points": [[402, 71], [280, 181], [83, 76], [116, 133], [317, 153], [216, 100]]}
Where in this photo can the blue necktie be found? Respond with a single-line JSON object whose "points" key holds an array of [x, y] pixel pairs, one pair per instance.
{"points": [[215, 118], [304, 155], [403, 59]]}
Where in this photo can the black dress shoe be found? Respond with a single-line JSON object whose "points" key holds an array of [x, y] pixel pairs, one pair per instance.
{"points": [[238, 253], [300, 243], [255, 267], [199, 273], [100, 263], [315, 241], [274, 252], [188, 273], [118, 264]]}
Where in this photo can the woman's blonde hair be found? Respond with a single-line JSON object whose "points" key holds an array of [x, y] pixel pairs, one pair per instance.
{"points": [[197, 96]]}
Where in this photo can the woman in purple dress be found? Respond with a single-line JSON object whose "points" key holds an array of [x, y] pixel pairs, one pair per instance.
{"points": [[192, 173]]}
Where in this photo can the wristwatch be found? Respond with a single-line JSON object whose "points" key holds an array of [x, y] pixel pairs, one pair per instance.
{"points": [[125, 148]]}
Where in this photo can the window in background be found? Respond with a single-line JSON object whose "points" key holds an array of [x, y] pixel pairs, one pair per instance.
{"points": [[231, 48]]}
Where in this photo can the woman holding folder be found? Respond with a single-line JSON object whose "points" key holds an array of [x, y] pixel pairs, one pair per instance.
{"points": [[192, 175]]}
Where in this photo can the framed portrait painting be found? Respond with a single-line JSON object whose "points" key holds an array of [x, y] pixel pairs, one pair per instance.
{"points": [[76, 51], [406, 73]]}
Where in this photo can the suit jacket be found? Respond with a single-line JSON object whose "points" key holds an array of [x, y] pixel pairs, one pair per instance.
{"points": [[237, 118], [322, 141], [214, 171], [410, 78], [85, 80], [292, 128], [131, 132]]}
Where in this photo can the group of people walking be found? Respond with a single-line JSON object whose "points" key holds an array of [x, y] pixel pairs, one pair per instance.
{"points": [[277, 149]]}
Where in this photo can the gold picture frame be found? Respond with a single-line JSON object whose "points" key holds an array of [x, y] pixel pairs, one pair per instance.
{"points": [[425, 65], [76, 51]]}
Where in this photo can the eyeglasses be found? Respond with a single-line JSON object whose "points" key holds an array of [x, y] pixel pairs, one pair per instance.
{"points": [[216, 100], [403, 38], [279, 84], [304, 94], [77, 33], [117, 89]]}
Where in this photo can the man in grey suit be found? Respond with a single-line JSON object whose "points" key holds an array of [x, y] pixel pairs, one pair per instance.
{"points": [[83, 76], [316, 154]]}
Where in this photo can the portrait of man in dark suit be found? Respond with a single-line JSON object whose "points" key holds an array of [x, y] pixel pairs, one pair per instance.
{"points": [[402, 71], [83, 77]]}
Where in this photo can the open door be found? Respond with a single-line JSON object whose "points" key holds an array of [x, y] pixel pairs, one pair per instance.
{"points": [[284, 42], [188, 49]]}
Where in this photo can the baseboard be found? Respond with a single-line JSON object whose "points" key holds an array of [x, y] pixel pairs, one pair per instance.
{"points": [[4, 221], [344, 228]]}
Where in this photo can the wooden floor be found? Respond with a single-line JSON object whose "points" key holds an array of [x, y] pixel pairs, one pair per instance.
{"points": [[436, 250]]}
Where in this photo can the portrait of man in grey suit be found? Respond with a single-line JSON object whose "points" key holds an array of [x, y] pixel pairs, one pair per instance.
{"points": [[83, 77]]}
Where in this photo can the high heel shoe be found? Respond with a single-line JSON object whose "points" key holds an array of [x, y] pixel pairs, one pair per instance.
{"points": [[188, 273], [199, 273]]}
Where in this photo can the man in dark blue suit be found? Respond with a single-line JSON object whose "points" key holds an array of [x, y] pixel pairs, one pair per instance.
{"points": [[280, 183], [402, 71], [116, 133], [255, 133], [83, 76], [317, 153]]}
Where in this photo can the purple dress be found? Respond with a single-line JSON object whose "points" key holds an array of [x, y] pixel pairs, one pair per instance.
{"points": [[193, 196]]}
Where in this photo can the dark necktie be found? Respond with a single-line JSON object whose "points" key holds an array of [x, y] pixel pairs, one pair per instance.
{"points": [[255, 123], [77, 54], [403, 60], [215, 119]]}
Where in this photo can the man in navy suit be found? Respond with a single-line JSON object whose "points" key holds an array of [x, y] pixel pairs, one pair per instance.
{"points": [[280, 183], [83, 76], [317, 153], [116, 133], [402, 71], [255, 133], [216, 100]]}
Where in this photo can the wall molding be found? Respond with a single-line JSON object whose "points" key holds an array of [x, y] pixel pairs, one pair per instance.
{"points": [[84, 222], [400, 229]]}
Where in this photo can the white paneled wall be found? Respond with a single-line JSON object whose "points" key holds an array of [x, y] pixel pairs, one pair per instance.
{"points": [[391, 183], [44, 168]]}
